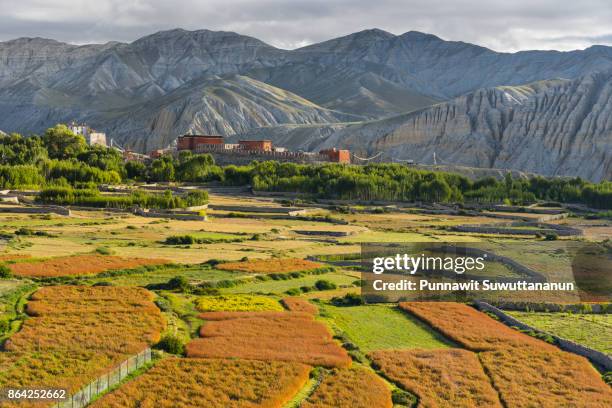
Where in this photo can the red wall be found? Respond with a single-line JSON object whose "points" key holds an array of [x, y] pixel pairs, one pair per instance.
{"points": [[265, 145], [189, 142], [337, 156]]}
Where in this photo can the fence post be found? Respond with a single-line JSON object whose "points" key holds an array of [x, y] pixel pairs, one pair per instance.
{"points": [[84, 396]]}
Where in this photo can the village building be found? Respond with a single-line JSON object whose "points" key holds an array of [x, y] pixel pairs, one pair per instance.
{"points": [[256, 145], [92, 137], [337, 155], [260, 149]]}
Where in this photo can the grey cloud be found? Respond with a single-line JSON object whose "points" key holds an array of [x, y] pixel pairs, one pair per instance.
{"points": [[501, 25]]}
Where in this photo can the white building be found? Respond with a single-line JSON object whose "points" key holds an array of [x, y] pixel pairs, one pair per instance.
{"points": [[96, 138], [91, 136]]}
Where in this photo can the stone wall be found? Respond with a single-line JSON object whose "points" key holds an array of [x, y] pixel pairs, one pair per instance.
{"points": [[51, 209], [258, 209], [182, 216], [515, 229], [600, 359]]}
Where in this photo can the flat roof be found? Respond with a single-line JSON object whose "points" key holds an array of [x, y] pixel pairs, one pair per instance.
{"points": [[259, 140], [214, 136]]}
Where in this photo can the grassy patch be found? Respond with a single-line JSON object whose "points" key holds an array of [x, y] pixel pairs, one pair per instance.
{"points": [[591, 330], [281, 286], [193, 273], [380, 327]]}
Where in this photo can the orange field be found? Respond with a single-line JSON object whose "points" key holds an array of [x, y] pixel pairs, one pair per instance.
{"points": [[351, 387], [536, 377], [254, 327], [298, 304], [449, 378], [78, 292], [527, 372], [89, 264], [125, 324], [70, 348], [46, 307], [12, 257], [469, 327], [274, 265], [182, 383], [114, 332], [317, 352], [53, 369], [281, 336]]}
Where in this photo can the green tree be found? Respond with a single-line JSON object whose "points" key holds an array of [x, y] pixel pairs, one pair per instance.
{"points": [[62, 144], [162, 169], [5, 272], [135, 170]]}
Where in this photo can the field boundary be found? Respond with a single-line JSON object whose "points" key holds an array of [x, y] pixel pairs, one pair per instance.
{"points": [[309, 388], [601, 359], [487, 372], [86, 395]]}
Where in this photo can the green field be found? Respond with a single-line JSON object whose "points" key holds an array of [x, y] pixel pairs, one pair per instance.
{"points": [[591, 330], [280, 286], [194, 274], [379, 327]]}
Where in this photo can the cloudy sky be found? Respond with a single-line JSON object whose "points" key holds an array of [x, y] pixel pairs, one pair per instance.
{"points": [[503, 25]]}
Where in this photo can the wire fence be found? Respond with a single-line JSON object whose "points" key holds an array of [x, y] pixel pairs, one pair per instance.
{"points": [[86, 394]]}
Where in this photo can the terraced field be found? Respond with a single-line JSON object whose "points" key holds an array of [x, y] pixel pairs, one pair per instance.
{"points": [[226, 333]]}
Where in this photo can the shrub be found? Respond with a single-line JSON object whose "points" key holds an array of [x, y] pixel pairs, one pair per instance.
{"points": [[29, 232], [163, 304], [323, 284], [5, 272], [171, 344], [212, 262], [180, 240], [551, 236], [104, 251], [350, 299], [179, 283]]}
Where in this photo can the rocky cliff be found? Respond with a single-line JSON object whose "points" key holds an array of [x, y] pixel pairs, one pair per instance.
{"points": [[409, 95], [226, 106], [556, 127]]}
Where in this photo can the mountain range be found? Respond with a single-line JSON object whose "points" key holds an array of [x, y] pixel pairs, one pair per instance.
{"points": [[406, 97]]}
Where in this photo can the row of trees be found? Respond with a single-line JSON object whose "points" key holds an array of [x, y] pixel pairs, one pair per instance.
{"points": [[60, 159], [93, 198], [394, 182]]}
